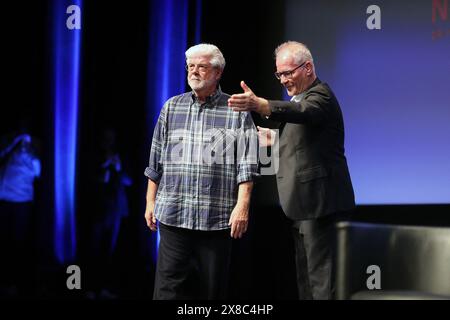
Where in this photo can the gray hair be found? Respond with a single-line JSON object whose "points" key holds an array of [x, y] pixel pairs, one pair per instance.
{"points": [[217, 59], [299, 50]]}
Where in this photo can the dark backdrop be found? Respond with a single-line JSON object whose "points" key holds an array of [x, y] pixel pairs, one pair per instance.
{"points": [[113, 94]]}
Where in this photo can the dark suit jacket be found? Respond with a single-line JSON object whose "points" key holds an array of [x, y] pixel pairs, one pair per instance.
{"points": [[313, 178]]}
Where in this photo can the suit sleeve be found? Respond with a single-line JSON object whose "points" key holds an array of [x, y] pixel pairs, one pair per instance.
{"points": [[312, 109]]}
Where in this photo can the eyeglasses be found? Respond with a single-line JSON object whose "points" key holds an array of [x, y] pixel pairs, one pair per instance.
{"points": [[200, 67], [287, 74]]}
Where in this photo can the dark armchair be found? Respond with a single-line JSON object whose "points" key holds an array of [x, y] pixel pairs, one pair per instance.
{"points": [[411, 262]]}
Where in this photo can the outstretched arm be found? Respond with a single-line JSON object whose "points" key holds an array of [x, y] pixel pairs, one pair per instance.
{"points": [[311, 110]]}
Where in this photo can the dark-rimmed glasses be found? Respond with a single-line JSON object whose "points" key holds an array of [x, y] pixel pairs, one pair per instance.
{"points": [[287, 74]]}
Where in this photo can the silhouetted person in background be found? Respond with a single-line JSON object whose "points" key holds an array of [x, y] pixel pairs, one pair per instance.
{"points": [[19, 167], [110, 208]]}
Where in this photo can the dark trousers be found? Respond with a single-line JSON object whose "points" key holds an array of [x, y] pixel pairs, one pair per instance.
{"points": [[16, 246], [181, 251], [315, 244]]}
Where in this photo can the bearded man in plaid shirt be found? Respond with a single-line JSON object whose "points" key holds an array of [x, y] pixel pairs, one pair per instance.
{"points": [[202, 162]]}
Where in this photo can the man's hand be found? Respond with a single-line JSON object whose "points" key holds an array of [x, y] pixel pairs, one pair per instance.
{"points": [[266, 137], [238, 221], [150, 216], [248, 101]]}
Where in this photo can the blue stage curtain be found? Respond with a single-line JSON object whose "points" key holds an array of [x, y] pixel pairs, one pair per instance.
{"points": [[65, 94]]}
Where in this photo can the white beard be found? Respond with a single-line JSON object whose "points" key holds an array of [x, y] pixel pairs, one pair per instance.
{"points": [[200, 84]]}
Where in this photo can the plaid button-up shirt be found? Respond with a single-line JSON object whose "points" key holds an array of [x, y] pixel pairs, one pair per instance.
{"points": [[199, 155]]}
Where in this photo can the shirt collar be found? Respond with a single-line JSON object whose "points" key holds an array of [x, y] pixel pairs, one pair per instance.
{"points": [[211, 100], [299, 97]]}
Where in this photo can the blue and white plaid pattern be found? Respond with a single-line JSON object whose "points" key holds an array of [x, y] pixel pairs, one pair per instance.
{"points": [[199, 155]]}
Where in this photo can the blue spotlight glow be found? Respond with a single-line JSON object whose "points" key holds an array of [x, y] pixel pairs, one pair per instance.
{"points": [[66, 59], [166, 74]]}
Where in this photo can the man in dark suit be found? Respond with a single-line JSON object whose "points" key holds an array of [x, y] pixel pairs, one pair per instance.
{"points": [[313, 179]]}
